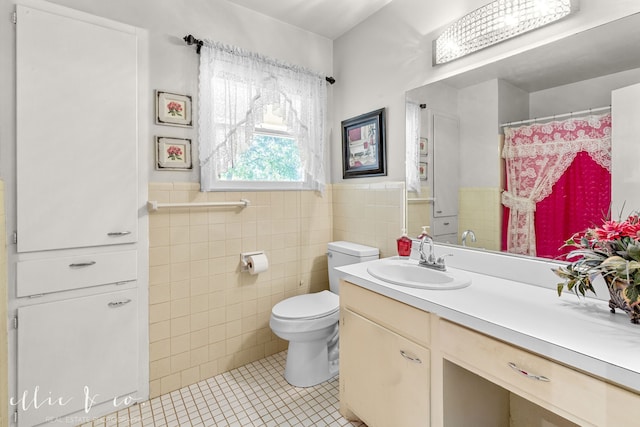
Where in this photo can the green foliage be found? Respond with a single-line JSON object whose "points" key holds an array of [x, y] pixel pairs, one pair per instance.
{"points": [[270, 158], [612, 251]]}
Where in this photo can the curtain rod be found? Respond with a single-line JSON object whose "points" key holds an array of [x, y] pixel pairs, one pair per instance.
{"points": [[557, 116], [190, 40]]}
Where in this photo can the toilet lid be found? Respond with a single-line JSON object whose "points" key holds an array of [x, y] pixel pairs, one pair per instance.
{"points": [[309, 306]]}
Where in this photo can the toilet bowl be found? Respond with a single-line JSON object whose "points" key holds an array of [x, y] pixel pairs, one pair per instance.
{"points": [[310, 322]]}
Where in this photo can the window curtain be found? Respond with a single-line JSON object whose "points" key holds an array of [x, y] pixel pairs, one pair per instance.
{"points": [[536, 157], [412, 146], [235, 86]]}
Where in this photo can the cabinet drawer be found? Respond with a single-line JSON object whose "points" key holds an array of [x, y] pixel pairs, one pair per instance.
{"points": [[578, 397], [43, 276], [445, 225], [393, 315]]}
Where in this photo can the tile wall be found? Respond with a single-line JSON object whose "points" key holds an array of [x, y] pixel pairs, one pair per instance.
{"points": [[206, 317], [4, 393], [481, 211], [369, 214], [418, 211]]}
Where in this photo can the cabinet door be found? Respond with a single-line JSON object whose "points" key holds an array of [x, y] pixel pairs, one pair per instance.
{"points": [[446, 158], [625, 150], [76, 132], [76, 349], [385, 376]]}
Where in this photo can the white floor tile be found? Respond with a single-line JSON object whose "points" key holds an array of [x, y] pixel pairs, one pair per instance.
{"points": [[255, 395]]}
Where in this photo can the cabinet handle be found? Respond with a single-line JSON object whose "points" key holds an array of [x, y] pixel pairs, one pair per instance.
{"points": [[119, 303], [118, 233], [410, 358], [527, 374], [438, 211], [81, 264], [447, 223]]}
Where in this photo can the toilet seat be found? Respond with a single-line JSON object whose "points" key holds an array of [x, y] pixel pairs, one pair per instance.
{"points": [[308, 306]]}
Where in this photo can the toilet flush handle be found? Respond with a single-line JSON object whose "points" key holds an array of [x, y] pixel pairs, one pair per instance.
{"points": [[329, 254]]}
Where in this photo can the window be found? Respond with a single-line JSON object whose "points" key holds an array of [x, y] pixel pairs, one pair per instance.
{"points": [[262, 123]]}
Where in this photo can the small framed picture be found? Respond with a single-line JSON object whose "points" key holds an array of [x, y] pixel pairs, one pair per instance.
{"points": [[424, 147], [363, 145], [173, 109], [173, 154], [422, 170]]}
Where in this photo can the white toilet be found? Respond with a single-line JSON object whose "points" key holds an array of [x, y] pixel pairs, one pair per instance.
{"points": [[310, 322]]}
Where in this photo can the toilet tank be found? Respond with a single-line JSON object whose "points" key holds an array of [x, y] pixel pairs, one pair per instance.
{"points": [[345, 253]]}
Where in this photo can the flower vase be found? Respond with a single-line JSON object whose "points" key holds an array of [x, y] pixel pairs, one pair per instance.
{"points": [[616, 293]]}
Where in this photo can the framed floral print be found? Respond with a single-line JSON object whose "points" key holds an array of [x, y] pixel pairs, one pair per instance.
{"points": [[363, 144], [422, 170], [173, 154], [173, 109], [424, 146]]}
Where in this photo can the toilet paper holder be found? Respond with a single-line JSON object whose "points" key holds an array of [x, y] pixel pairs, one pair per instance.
{"points": [[244, 259]]}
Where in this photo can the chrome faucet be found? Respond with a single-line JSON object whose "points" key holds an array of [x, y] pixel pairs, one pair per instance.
{"points": [[430, 260], [468, 233]]}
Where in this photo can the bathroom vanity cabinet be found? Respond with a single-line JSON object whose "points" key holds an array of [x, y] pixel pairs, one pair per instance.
{"points": [[400, 365], [384, 359]]}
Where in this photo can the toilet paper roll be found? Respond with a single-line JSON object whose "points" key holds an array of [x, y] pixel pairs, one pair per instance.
{"points": [[257, 263]]}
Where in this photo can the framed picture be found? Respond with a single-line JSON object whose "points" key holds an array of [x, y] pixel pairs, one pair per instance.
{"points": [[173, 154], [173, 109], [422, 170], [424, 147], [363, 145]]}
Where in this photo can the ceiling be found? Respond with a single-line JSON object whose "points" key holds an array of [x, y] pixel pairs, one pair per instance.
{"points": [[328, 18]]}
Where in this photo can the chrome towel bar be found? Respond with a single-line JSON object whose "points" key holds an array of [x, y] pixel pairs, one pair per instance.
{"points": [[154, 205]]}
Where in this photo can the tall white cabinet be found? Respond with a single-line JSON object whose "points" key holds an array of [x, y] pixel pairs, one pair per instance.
{"points": [[80, 261], [446, 177], [77, 132]]}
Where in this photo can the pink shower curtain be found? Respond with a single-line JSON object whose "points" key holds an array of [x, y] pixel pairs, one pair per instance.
{"points": [[557, 170]]}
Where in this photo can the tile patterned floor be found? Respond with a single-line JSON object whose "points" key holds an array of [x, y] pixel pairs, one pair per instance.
{"points": [[252, 395]]}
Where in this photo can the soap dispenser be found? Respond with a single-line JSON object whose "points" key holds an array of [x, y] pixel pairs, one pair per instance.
{"points": [[404, 244], [424, 232]]}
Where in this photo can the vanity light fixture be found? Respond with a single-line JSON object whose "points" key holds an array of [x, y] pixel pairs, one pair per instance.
{"points": [[495, 22]]}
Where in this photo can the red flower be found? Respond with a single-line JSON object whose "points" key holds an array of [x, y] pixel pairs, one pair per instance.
{"points": [[610, 230], [174, 152], [630, 229], [174, 108]]}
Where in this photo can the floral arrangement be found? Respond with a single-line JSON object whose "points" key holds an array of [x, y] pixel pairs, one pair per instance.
{"points": [[174, 108], [174, 152], [611, 250]]}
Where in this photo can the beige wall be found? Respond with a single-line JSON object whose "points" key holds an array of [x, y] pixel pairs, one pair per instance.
{"points": [[369, 214], [418, 211], [4, 394], [481, 211], [206, 317]]}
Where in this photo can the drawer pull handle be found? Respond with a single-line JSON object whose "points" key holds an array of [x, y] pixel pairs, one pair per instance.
{"points": [[119, 303], [118, 233], [82, 264], [527, 374], [410, 358], [447, 223]]}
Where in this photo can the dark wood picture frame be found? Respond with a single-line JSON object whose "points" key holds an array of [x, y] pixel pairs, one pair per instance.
{"points": [[363, 145]]}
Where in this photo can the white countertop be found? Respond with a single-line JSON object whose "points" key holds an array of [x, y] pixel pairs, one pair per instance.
{"points": [[579, 332]]}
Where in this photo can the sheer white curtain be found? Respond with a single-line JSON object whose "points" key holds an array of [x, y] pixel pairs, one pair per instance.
{"points": [[235, 87], [412, 144]]}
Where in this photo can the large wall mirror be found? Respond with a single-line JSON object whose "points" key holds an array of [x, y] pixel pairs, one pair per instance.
{"points": [[458, 126]]}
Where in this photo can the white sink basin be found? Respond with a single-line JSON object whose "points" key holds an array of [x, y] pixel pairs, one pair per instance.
{"points": [[409, 273]]}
